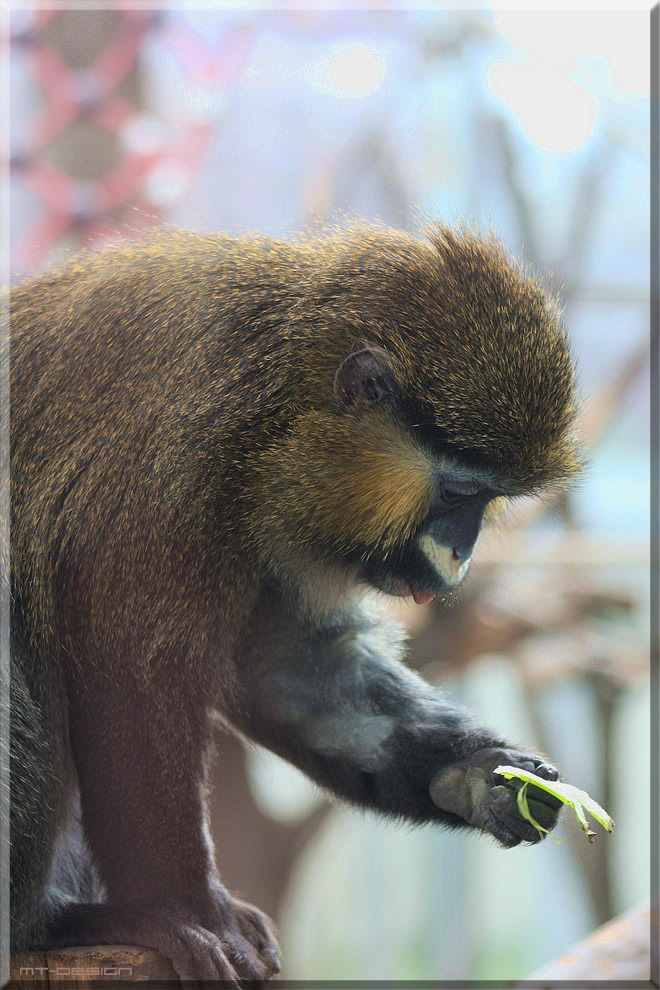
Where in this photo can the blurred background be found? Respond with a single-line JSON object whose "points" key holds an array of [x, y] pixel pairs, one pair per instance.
{"points": [[535, 122]]}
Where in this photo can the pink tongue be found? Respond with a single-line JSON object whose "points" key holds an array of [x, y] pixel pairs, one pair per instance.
{"points": [[421, 597]]}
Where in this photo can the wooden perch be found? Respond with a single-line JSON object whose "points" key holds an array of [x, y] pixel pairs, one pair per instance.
{"points": [[617, 951], [89, 966]]}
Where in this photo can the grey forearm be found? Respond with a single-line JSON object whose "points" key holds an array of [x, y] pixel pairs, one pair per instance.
{"points": [[343, 708]]}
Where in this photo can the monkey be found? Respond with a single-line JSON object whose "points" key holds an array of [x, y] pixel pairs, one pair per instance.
{"points": [[226, 452]]}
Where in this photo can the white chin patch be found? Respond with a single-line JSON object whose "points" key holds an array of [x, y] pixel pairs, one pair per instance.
{"points": [[442, 560]]}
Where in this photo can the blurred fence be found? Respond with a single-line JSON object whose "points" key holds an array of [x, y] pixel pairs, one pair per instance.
{"points": [[273, 120]]}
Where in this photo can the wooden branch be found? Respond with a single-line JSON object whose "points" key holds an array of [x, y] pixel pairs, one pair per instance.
{"points": [[89, 966], [618, 951]]}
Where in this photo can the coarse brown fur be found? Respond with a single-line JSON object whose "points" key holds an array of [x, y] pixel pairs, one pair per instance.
{"points": [[131, 407], [176, 442]]}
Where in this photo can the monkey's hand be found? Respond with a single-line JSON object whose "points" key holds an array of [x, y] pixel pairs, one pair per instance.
{"points": [[470, 790]]}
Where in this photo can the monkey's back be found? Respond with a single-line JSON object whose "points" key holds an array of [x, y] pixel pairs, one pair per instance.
{"points": [[125, 367], [152, 383], [173, 319]]}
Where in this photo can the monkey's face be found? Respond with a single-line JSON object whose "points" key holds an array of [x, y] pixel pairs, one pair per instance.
{"points": [[436, 558], [466, 396], [426, 505], [368, 489]]}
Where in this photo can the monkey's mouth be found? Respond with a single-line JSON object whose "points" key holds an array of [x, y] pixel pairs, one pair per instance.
{"points": [[405, 573], [400, 587], [420, 596], [406, 589]]}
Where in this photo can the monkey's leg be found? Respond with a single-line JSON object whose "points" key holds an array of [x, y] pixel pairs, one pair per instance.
{"points": [[341, 707], [140, 753]]}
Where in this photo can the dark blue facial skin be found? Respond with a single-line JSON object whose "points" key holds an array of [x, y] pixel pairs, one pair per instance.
{"points": [[464, 484], [406, 565], [457, 514], [454, 521]]}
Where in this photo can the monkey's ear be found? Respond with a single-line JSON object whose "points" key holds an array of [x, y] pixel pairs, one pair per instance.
{"points": [[366, 378]]}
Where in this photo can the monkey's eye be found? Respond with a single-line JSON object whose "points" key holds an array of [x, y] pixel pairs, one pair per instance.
{"points": [[454, 492]]}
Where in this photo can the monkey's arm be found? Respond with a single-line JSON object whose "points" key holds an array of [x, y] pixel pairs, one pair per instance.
{"points": [[339, 705]]}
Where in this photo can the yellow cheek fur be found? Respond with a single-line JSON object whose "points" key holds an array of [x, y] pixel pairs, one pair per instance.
{"points": [[364, 483], [495, 511], [386, 490]]}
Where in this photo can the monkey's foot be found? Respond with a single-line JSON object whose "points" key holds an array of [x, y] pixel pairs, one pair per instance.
{"points": [[255, 928], [235, 942], [472, 791]]}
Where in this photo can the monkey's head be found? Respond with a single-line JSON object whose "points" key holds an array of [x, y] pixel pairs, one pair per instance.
{"points": [[432, 379]]}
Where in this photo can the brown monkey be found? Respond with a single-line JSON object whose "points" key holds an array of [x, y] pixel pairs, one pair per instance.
{"points": [[217, 445]]}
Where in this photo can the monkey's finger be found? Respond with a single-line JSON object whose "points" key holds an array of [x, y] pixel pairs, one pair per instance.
{"points": [[244, 957], [198, 956], [256, 927], [504, 807], [547, 771], [497, 828]]}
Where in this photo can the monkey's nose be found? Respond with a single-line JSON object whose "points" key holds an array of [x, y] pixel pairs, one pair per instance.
{"points": [[461, 556], [447, 561]]}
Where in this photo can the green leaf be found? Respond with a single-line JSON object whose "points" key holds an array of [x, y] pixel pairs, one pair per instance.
{"points": [[566, 793], [524, 809], [526, 813]]}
